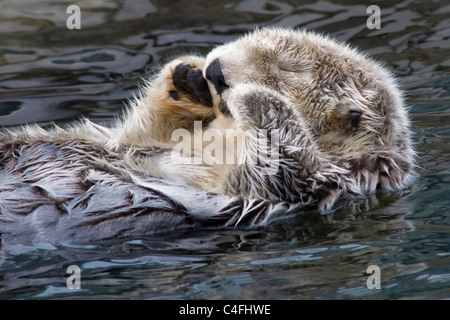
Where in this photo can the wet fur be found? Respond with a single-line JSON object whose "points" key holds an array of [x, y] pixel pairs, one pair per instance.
{"points": [[344, 133], [352, 110]]}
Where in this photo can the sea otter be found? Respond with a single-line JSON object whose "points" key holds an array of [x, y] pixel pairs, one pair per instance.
{"points": [[342, 132]]}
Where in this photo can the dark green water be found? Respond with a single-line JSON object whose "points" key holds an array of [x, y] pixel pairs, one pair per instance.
{"points": [[49, 73]]}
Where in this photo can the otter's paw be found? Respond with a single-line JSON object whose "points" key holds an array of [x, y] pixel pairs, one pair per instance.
{"points": [[180, 88], [189, 83], [259, 106]]}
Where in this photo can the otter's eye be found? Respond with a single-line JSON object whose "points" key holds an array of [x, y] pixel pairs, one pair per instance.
{"points": [[215, 75]]}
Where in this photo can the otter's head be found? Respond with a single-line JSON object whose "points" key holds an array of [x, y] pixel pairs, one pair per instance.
{"points": [[351, 103]]}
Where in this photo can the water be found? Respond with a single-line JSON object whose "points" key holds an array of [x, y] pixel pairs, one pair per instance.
{"points": [[49, 73]]}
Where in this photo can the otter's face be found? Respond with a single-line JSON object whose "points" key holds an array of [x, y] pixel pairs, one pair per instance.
{"points": [[336, 89], [249, 60]]}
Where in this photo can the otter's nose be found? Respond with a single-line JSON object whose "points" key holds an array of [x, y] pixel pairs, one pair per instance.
{"points": [[215, 75]]}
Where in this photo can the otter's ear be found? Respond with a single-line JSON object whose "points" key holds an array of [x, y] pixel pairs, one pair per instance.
{"points": [[353, 116]]}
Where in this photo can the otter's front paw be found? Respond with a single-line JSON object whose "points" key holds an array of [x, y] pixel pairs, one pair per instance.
{"points": [[258, 106], [189, 83]]}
